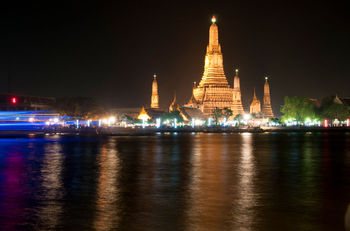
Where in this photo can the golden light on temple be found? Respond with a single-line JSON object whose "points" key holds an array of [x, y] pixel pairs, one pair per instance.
{"points": [[267, 109], [213, 19], [143, 115], [155, 95]]}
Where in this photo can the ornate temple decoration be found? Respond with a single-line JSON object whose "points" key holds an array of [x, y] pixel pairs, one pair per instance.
{"points": [[143, 115], [193, 102], [213, 90], [266, 109], [174, 105], [255, 107], [237, 107], [155, 95]]}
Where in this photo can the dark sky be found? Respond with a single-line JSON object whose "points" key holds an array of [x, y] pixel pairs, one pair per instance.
{"points": [[110, 51]]}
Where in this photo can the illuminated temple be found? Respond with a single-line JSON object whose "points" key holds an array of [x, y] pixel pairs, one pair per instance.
{"points": [[213, 89], [267, 109], [155, 95]]}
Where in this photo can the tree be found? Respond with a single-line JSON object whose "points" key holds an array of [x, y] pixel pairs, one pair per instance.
{"points": [[275, 120], [79, 107], [238, 117], [217, 113], [227, 112], [330, 109], [298, 108]]}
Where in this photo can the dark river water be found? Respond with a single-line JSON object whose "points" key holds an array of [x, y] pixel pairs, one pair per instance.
{"points": [[269, 181]]}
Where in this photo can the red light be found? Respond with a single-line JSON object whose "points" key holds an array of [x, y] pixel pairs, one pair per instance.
{"points": [[14, 100]]}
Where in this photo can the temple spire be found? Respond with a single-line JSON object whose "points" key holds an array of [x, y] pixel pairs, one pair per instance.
{"points": [[236, 81], [255, 105], [155, 95], [237, 106], [266, 86], [213, 33], [267, 109], [213, 19], [213, 89]]}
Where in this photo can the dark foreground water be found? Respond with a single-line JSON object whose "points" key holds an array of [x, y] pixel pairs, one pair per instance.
{"points": [[291, 181]]}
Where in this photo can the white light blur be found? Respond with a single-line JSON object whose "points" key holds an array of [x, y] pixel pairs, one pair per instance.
{"points": [[143, 122], [158, 122], [247, 116], [209, 121], [111, 120]]}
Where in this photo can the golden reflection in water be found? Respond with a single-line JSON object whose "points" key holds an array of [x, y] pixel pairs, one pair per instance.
{"points": [[244, 215], [107, 188], [193, 201], [209, 191], [51, 210]]}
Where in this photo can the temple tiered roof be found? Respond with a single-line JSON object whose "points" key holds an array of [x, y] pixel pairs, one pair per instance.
{"points": [[213, 89]]}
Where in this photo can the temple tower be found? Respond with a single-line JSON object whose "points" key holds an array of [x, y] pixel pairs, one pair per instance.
{"points": [[255, 106], [237, 107], [155, 95], [267, 109], [213, 89]]}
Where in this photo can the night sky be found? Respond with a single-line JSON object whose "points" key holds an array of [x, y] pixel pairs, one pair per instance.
{"points": [[110, 51]]}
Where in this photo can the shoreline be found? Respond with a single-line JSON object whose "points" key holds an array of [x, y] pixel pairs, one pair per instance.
{"points": [[121, 131]]}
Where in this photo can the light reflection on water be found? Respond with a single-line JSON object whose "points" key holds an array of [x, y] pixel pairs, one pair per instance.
{"points": [[245, 181], [244, 206], [51, 206], [107, 210]]}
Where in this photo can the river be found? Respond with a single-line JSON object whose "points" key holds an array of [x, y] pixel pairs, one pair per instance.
{"points": [[190, 181]]}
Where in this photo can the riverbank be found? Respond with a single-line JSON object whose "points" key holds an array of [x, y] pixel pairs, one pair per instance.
{"points": [[136, 131]]}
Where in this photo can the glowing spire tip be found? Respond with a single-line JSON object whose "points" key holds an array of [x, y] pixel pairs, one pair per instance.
{"points": [[213, 19]]}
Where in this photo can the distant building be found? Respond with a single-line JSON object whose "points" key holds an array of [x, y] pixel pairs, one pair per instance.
{"points": [[155, 95], [153, 111], [237, 107], [193, 102], [342, 100], [267, 109], [120, 113], [315, 102], [190, 113], [173, 106], [14, 102], [213, 90], [143, 115], [255, 106]]}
